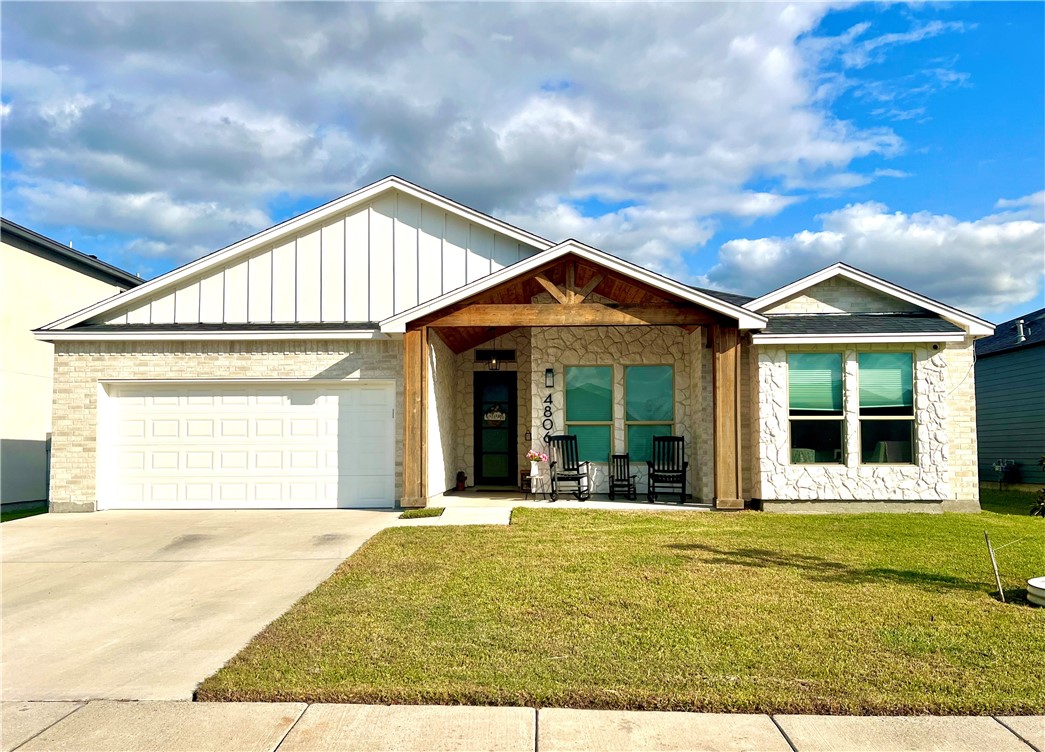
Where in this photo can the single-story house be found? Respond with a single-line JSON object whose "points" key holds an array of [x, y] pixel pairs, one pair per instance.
{"points": [[364, 353], [1010, 399], [39, 280]]}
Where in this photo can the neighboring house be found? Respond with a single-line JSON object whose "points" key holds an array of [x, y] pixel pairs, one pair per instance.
{"points": [[363, 353], [1010, 397], [39, 281]]}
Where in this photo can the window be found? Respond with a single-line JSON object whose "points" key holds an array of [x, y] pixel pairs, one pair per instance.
{"points": [[649, 407], [815, 408], [589, 410], [886, 408]]}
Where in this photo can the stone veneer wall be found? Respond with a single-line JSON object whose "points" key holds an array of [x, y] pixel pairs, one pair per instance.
{"points": [[617, 347], [79, 366], [945, 469], [961, 421], [840, 295]]}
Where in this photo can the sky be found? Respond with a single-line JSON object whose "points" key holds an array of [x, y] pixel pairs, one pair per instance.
{"points": [[737, 146]]}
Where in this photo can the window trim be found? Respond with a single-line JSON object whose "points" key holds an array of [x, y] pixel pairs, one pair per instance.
{"points": [[674, 407], [842, 417], [609, 423], [913, 417]]}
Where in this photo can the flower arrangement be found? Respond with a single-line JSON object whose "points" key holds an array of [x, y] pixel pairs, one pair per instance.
{"points": [[534, 456]]}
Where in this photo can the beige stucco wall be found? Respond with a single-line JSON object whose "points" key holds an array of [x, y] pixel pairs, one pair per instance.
{"points": [[79, 367], [945, 453], [33, 292], [840, 295]]}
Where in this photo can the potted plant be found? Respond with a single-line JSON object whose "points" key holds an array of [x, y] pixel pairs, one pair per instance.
{"points": [[536, 458]]}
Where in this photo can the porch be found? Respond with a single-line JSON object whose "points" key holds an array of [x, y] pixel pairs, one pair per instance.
{"points": [[580, 346]]}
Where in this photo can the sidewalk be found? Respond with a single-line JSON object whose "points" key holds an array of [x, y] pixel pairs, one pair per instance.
{"points": [[105, 726]]}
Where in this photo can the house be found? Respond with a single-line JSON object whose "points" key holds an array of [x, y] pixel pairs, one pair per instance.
{"points": [[39, 280], [1010, 397], [363, 353]]}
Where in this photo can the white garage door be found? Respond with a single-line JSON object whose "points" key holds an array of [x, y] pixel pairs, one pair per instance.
{"points": [[246, 446]]}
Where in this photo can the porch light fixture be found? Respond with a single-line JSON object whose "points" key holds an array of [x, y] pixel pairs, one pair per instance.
{"points": [[493, 365], [549, 377]]}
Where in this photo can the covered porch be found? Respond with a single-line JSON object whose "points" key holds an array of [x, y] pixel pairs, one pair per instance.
{"points": [[585, 344]]}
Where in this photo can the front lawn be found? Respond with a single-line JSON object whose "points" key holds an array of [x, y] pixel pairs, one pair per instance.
{"points": [[714, 612]]}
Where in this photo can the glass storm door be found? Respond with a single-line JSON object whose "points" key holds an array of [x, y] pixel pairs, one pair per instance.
{"points": [[496, 457]]}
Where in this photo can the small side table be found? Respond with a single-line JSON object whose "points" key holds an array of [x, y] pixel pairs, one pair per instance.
{"points": [[537, 485]]}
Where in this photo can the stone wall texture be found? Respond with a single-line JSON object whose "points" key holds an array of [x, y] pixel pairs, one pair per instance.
{"points": [[618, 347], [945, 447], [840, 295], [80, 367]]}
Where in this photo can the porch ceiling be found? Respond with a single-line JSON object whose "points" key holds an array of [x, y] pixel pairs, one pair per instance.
{"points": [[578, 293]]}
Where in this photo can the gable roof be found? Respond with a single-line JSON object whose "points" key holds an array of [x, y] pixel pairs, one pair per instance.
{"points": [[43, 246], [745, 319], [267, 237], [1006, 333], [973, 324]]}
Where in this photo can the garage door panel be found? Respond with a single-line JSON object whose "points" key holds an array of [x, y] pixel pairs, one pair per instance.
{"points": [[248, 446]]}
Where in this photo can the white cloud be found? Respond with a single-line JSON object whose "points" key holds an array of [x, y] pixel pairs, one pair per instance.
{"points": [[985, 265], [146, 112]]}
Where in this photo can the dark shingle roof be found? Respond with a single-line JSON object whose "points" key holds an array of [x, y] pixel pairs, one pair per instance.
{"points": [[728, 297], [42, 245], [136, 328], [859, 323], [1004, 337]]}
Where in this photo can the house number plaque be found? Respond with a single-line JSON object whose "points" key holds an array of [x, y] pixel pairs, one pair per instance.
{"points": [[547, 424]]}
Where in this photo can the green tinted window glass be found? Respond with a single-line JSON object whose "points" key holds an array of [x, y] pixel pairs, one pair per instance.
{"points": [[640, 440], [887, 380], [589, 393], [593, 442], [649, 392], [815, 382]]}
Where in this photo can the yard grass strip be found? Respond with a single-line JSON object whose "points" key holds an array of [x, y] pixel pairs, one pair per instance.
{"points": [[743, 612], [417, 514]]}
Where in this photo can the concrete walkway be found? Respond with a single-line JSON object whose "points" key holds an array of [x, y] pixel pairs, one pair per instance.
{"points": [[104, 726], [145, 605]]}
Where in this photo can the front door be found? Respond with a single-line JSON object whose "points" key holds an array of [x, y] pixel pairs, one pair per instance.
{"points": [[496, 456]]}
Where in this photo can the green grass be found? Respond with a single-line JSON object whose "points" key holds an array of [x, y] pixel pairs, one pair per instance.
{"points": [[415, 514], [17, 514], [747, 612]]}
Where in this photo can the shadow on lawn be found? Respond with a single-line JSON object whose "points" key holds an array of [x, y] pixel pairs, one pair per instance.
{"points": [[819, 569]]}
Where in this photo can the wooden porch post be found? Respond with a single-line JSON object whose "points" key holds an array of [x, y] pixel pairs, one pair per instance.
{"points": [[415, 418], [726, 385]]}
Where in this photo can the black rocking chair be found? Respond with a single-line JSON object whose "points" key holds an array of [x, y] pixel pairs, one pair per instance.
{"points": [[668, 467], [566, 468], [621, 477]]}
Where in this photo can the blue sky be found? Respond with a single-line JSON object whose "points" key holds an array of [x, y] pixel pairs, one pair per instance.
{"points": [[733, 146]]}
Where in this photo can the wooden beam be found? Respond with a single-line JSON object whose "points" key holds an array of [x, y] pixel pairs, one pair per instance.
{"points": [[571, 281], [586, 290], [552, 289], [415, 418], [725, 373], [589, 314]]}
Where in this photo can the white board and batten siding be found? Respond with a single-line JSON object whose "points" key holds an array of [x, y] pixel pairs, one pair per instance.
{"points": [[366, 264], [246, 446]]}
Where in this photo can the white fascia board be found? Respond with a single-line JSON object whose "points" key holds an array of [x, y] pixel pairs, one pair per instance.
{"points": [[46, 335], [976, 326], [745, 319], [845, 339], [269, 236]]}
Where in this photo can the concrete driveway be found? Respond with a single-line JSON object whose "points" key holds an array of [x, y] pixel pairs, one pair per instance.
{"points": [[145, 605]]}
